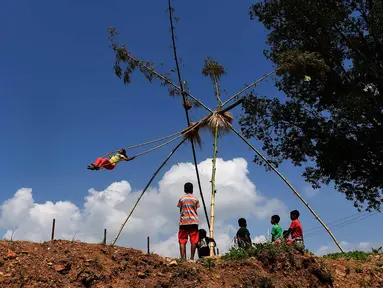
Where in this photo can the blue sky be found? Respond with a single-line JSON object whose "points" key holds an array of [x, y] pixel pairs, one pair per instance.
{"points": [[62, 106]]}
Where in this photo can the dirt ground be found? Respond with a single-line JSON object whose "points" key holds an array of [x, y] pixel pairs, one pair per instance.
{"points": [[76, 264]]}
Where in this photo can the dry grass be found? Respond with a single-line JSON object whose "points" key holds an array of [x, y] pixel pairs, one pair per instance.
{"points": [[224, 119], [193, 133]]}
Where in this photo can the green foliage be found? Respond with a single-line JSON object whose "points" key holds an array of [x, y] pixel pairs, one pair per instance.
{"points": [[207, 262], [257, 250], [359, 270], [334, 121], [126, 64], [354, 255], [236, 254]]}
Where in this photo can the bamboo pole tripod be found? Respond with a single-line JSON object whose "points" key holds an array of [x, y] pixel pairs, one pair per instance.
{"points": [[216, 133]]}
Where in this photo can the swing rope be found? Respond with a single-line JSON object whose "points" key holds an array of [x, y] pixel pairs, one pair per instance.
{"points": [[159, 146], [183, 131]]}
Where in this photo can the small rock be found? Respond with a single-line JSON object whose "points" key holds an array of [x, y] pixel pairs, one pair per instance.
{"points": [[142, 275], [62, 269], [11, 254], [173, 263], [59, 268], [1, 274], [50, 263]]}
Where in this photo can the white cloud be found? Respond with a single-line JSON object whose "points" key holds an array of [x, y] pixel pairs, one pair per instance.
{"points": [[310, 192], [155, 216], [259, 239]]}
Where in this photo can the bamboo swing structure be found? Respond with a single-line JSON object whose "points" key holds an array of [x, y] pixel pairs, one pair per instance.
{"points": [[182, 90], [218, 122], [146, 188]]}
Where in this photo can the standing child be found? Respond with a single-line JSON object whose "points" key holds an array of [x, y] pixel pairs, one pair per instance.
{"points": [[276, 231], [203, 245], [296, 232], [243, 235], [188, 205]]}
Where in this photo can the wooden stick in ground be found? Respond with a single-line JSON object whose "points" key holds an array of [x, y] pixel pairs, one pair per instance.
{"points": [[148, 242], [53, 229], [104, 240], [213, 188], [291, 187], [183, 92], [146, 188], [248, 87]]}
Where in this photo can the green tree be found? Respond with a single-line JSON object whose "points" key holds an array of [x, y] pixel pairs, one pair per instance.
{"points": [[328, 57]]}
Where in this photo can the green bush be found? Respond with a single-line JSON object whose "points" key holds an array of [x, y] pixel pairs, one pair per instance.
{"points": [[257, 250], [355, 255]]}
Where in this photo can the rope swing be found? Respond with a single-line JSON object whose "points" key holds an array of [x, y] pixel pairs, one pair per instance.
{"points": [[180, 133]]}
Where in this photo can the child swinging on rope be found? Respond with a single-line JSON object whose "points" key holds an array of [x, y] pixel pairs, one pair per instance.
{"points": [[109, 164]]}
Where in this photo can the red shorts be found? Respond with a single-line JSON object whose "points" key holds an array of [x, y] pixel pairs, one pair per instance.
{"points": [[183, 236]]}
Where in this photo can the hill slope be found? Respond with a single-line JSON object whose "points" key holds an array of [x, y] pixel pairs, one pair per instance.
{"points": [[75, 264]]}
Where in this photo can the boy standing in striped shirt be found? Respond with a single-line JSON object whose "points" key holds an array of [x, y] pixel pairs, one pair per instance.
{"points": [[188, 205]]}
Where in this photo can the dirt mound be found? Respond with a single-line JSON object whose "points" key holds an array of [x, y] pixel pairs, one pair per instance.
{"points": [[75, 264]]}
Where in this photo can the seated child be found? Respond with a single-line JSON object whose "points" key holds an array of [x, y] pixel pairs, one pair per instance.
{"points": [[243, 235], [276, 231], [203, 245], [296, 232], [109, 164]]}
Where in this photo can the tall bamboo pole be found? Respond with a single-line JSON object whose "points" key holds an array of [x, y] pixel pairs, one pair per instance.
{"points": [[214, 168], [291, 187], [213, 190], [183, 92], [147, 186]]}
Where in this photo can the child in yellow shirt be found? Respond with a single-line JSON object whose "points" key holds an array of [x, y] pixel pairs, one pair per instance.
{"points": [[109, 164]]}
